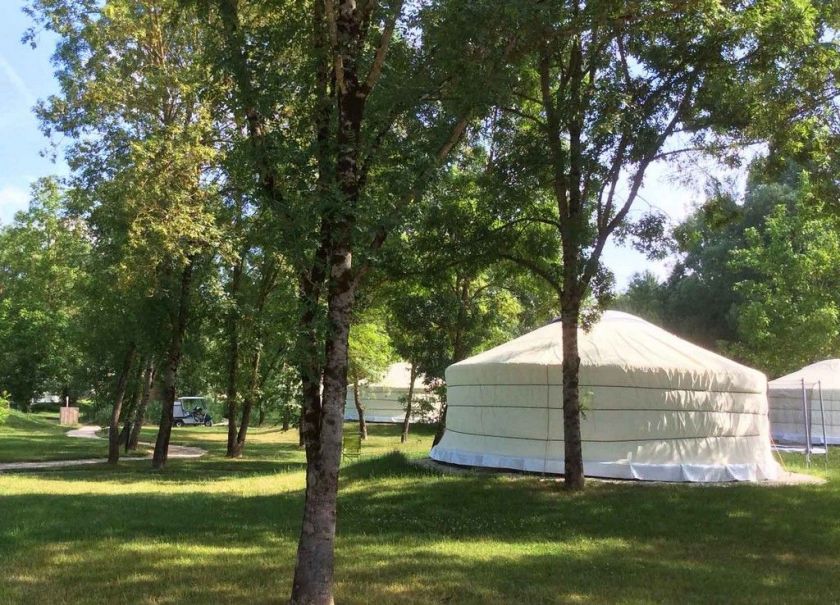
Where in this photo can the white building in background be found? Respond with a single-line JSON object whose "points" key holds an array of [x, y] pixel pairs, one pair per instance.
{"points": [[795, 408], [384, 401], [656, 407]]}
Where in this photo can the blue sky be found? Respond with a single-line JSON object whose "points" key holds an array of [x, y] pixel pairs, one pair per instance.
{"points": [[26, 76]]}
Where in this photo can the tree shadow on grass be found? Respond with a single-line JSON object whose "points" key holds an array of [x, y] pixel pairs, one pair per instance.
{"points": [[176, 471]]}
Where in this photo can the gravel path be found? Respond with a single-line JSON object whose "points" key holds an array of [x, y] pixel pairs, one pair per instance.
{"points": [[89, 432]]}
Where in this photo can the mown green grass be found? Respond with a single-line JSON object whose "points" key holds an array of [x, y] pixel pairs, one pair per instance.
{"points": [[37, 436], [217, 531]]}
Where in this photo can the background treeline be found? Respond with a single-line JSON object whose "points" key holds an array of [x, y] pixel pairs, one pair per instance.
{"points": [[757, 277]]}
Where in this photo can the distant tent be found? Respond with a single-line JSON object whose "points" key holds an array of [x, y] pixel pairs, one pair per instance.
{"points": [[655, 407], [384, 401], [791, 417]]}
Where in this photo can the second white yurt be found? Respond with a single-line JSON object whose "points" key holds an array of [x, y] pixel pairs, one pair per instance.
{"points": [[384, 401], [795, 408], [656, 407]]}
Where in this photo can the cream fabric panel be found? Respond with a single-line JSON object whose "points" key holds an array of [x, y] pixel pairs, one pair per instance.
{"points": [[787, 416], [384, 405]]}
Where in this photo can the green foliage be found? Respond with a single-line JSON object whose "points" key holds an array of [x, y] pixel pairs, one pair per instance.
{"points": [[370, 350], [4, 406], [756, 280], [789, 314], [42, 271]]}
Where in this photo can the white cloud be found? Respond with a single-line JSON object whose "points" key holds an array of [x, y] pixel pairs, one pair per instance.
{"points": [[16, 82], [12, 199]]}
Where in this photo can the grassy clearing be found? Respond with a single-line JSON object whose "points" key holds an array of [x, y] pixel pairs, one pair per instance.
{"points": [[215, 531]]}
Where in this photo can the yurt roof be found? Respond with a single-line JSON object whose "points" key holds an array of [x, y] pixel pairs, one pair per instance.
{"points": [[624, 348], [826, 372], [398, 376]]}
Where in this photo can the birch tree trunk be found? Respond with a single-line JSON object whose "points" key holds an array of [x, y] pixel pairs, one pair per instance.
{"points": [[315, 556], [573, 454]]}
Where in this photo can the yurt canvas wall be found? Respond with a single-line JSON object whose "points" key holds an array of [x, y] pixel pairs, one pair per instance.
{"points": [[789, 417], [656, 407], [383, 401]]}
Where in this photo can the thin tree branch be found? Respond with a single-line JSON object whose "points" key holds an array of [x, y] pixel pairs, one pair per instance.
{"points": [[382, 50]]}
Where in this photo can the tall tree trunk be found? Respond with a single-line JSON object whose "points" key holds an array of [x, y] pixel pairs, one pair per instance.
{"points": [[248, 402], [360, 410], [128, 417], [170, 369], [119, 395], [459, 350], [408, 403], [315, 557], [441, 427], [573, 463], [140, 415], [261, 414], [314, 567], [233, 358]]}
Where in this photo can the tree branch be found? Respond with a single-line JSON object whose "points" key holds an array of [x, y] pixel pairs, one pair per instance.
{"points": [[338, 62], [382, 50]]}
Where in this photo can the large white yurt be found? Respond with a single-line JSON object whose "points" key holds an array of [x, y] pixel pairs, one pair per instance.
{"points": [[655, 407], [795, 404], [383, 401]]}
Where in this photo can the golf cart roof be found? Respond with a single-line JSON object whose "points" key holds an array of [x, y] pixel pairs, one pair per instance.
{"points": [[183, 398]]}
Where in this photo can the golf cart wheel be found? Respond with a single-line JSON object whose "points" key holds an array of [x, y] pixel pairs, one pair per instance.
{"points": [[208, 423], [179, 423]]}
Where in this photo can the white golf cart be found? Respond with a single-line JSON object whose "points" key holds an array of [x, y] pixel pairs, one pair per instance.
{"points": [[190, 411]]}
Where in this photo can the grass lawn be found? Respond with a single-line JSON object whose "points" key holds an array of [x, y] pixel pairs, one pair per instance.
{"points": [[217, 531], [37, 436]]}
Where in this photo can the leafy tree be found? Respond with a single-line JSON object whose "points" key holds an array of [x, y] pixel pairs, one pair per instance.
{"points": [[789, 310], [644, 297], [42, 271], [611, 88], [138, 109], [373, 113], [370, 354]]}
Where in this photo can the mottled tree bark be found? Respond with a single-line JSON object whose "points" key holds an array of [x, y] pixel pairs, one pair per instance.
{"points": [[360, 410], [573, 450], [170, 369], [119, 395], [315, 556]]}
